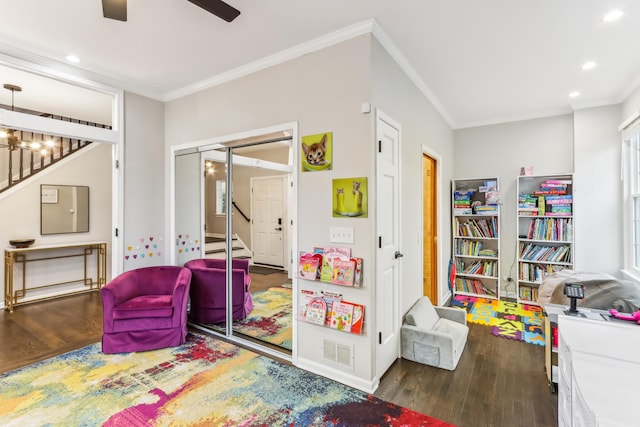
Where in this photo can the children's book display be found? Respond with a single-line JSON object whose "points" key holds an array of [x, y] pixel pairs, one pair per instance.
{"points": [[330, 310], [331, 264]]}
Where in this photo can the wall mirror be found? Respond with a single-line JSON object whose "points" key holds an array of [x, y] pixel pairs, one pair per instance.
{"points": [[64, 209]]}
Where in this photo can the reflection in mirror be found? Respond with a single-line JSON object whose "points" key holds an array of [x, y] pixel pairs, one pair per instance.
{"points": [[233, 223], [64, 209]]}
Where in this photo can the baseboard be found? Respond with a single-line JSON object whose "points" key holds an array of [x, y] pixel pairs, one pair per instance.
{"points": [[338, 376]]}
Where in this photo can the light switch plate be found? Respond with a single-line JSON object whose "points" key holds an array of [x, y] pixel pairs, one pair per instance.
{"points": [[341, 234]]}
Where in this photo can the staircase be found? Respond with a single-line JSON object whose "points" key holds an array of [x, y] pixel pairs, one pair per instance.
{"points": [[19, 162], [215, 247]]}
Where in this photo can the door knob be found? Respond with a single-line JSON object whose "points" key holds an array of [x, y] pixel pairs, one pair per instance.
{"points": [[278, 228], [398, 255]]}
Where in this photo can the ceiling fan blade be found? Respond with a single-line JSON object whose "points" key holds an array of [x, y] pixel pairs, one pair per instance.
{"points": [[115, 9], [217, 7]]}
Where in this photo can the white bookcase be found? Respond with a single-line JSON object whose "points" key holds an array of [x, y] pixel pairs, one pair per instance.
{"points": [[476, 240], [545, 230]]}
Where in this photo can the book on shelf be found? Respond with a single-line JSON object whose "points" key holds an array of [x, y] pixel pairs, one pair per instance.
{"points": [[343, 272], [316, 311], [358, 274], [330, 298], [331, 253], [462, 211], [357, 324], [341, 316], [486, 210], [309, 264], [306, 295]]}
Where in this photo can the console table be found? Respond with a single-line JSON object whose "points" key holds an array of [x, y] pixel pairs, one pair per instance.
{"points": [[41, 253]]}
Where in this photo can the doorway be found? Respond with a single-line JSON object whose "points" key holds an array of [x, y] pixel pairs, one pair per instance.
{"points": [[268, 213], [430, 227]]}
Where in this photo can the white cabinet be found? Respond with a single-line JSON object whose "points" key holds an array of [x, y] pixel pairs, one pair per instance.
{"points": [[545, 230], [476, 237], [599, 368]]}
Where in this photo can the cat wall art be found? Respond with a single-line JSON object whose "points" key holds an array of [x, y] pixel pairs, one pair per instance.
{"points": [[316, 152]]}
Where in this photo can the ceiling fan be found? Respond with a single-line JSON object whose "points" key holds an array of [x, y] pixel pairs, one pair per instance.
{"points": [[117, 9]]}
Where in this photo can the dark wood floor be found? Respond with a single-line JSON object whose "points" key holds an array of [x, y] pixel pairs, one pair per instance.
{"points": [[498, 382]]}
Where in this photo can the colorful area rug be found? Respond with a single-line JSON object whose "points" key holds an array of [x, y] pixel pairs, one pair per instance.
{"points": [[511, 320], [270, 319], [204, 382]]}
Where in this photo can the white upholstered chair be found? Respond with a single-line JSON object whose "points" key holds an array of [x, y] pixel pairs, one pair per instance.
{"points": [[434, 336]]}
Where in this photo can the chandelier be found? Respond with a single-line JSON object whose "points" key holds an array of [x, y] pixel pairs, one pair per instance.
{"points": [[16, 139]]}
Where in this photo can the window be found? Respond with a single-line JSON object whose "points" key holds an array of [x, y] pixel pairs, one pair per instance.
{"points": [[631, 178], [221, 197]]}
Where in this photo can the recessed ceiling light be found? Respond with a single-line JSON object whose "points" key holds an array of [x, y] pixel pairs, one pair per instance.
{"points": [[613, 15], [574, 94], [72, 58], [588, 65]]}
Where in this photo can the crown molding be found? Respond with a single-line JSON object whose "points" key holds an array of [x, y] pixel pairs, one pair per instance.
{"points": [[413, 75], [314, 45]]}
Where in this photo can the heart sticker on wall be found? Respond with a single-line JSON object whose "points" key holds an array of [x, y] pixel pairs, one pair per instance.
{"points": [[135, 256], [158, 253], [126, 257], [150, 253], [146, 246], [180, 250], [151, 239], [129, 248]]}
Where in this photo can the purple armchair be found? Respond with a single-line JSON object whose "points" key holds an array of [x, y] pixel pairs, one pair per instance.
{"points": [[209, 294], [145, 309]]}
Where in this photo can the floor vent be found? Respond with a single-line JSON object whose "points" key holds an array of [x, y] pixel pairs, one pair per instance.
{"points": [[341, 354]]}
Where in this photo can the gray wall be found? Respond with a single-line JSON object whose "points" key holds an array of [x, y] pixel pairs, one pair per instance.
{"points": [[422, 126], [323, 92], [499, 151], [20, 207], [143, 231]]}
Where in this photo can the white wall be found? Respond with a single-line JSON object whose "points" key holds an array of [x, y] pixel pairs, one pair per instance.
{"points": [[499, 151], [143, 231], [598, 190], [631, 105], [397, 96], [20, 207]]}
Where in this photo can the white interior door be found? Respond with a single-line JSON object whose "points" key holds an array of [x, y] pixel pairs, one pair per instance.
{"points": [[388, 234], [268, 220]]}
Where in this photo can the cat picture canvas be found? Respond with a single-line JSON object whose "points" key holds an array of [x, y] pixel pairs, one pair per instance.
{"points": [[350, 197], [316, 152]]}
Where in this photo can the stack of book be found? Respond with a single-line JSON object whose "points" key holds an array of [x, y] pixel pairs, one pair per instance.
{"points": [[462, 202]]}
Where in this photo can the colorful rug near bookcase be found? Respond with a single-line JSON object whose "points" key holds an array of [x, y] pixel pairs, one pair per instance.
{"points": [[204, 382], [507, 319]]}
